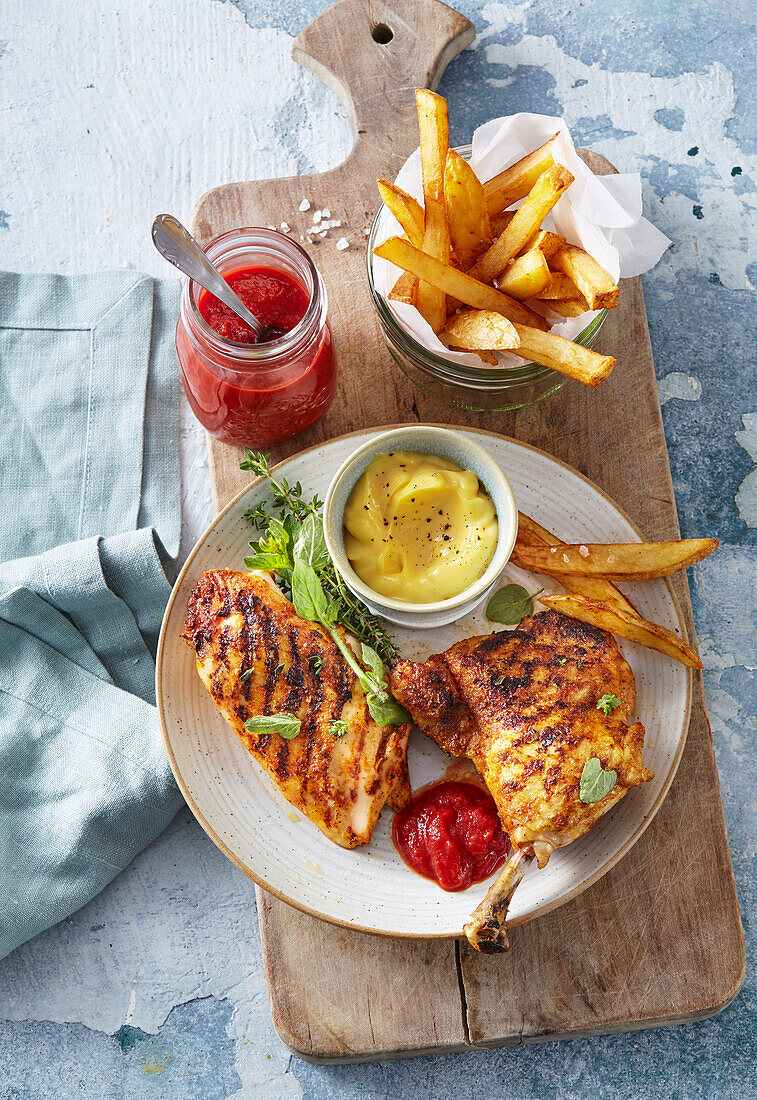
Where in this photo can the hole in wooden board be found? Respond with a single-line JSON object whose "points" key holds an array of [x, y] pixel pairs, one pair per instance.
{"points": [[382, 34]]}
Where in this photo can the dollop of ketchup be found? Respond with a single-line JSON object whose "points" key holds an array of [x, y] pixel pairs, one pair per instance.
{"points": [[276, 299], [450, 832]]}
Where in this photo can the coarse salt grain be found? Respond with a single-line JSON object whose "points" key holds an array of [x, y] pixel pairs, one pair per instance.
{"points": [[304, 205], [565, 557], [317, 215], [326, 212], [284, 227], [342, 243], [583, 551]]}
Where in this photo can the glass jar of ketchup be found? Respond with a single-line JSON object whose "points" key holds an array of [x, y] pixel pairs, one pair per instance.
{"points": [[249, 393]]}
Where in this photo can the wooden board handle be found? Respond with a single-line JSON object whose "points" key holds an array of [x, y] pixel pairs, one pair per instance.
{"points": [[373, 54]]}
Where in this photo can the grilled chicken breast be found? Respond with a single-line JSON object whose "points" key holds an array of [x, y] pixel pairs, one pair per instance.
{"points": [[522, 704], [240, 624]]}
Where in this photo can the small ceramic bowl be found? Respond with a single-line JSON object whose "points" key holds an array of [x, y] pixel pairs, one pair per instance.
{"points": [[443, 443]]}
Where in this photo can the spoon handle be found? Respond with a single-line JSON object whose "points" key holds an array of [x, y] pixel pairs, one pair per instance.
{"points": [[176, 245]]}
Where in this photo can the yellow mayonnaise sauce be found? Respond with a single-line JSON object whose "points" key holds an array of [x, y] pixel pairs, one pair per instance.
{"points": [[419, 528]]}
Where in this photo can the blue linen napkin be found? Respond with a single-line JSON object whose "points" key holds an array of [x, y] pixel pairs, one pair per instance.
{"points": [[89, 469]]}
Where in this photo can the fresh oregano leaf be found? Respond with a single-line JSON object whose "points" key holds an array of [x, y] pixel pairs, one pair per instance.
{"points": [[308, 596], [274, 562], [310, 545], [608, 703], [595, 781], [386, 711], [372, 661], [510, 605], [286, 725], [338, 728]]}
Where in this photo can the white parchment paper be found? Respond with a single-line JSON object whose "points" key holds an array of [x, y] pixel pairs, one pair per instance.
{"points": [[601, 214]]}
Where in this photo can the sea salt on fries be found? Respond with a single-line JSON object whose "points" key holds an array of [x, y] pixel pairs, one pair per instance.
{"points": [[619, 561], [526, 223], [531, 533], [625, 625]]}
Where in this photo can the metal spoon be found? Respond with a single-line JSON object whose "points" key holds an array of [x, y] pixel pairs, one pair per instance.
{"points": [[175, 244]]}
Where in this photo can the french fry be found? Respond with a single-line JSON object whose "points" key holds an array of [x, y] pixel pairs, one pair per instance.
{"points": [[526, 277], [592, 281], [500, 222], [517, 180], [433, 125], [564, 356], [531, 533], [625, 625], [481, 330], [407, 210], [544, 240], [620, 561], [405, 289], [571, 307], [485, 356], [457, 283], [468, 219], [528, 218], [560, 286]]}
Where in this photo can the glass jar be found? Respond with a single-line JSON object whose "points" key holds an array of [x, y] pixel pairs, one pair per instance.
{"points": [[258, 394], [490, 389]]}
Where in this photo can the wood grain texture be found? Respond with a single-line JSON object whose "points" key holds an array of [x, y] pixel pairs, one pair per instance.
{"points": [[659, 938]]}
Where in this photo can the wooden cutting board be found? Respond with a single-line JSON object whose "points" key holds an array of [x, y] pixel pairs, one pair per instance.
{"points": [[659, 938]]}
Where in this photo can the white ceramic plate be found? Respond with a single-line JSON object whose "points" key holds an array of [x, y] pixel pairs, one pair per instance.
{"points": [[370, 888]]}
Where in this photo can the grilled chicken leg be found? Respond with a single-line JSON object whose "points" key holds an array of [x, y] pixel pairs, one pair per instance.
{"points": [[522, 705], [257, 657]]}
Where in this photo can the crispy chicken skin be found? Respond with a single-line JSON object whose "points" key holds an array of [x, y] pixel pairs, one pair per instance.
{"points": [[241, 621], [522, 705]]}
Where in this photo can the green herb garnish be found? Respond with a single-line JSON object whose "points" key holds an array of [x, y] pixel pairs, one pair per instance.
{"points": [[291, 534], [338, 728], [278, 669], [246, 675], [286, 725], [595, 781], [294, 548], [511, 604], [608, 703], [562, 660], [316, 661]]}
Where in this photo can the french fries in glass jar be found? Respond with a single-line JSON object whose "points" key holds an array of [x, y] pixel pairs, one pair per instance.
{"points": [[469, 248]]}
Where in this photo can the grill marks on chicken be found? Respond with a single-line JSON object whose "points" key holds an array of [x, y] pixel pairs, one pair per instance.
{"points": [[522, 705], [240, 623]]}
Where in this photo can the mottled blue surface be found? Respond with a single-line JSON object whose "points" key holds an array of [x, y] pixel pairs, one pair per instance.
{"points": [[667, 88]]}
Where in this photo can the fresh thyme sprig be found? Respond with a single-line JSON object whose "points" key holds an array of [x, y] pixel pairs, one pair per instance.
{"points": [[293, 508]]}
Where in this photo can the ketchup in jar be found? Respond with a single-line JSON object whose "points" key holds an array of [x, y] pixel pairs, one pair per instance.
{"points": [[450, 832], [246, 392]]}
